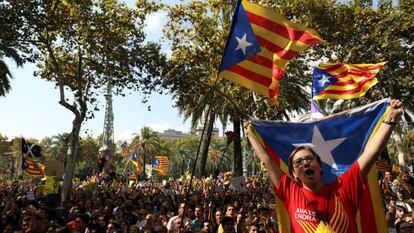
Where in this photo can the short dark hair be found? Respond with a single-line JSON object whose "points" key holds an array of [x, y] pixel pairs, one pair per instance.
{"points": [[85, 217], [227, 219], [290, 163]]}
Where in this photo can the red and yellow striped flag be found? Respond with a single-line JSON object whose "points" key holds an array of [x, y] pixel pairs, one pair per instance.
{"points": [[260, 45], [32, 167], [382, 166], [343, 81], [162, 160], [135, 161], [161, 170]]}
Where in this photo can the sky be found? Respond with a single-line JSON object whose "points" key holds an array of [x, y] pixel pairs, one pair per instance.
{"points": [[31, 108]]}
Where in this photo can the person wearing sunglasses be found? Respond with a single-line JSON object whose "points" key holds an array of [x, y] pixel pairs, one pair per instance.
{"points": [[311, 204]]}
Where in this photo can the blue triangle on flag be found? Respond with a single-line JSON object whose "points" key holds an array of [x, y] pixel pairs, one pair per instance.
{"points": [[321, 79], [240, 32]]}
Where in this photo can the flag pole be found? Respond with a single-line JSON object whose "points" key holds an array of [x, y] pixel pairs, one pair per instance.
{"points": [[213, 90]]}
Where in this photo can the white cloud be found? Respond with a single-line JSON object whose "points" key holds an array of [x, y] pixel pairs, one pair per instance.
{"points": [[124, 135], [154, 22], [128, 134], [160, 127]]}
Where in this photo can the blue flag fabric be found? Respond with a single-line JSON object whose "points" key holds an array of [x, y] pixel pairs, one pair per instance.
{"points": [[339, 139], [321, 80], [133, 156], [241, 33]]}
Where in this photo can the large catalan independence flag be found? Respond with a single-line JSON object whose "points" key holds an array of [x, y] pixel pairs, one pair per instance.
{"points": [[339, 140], [260, 45], [343, 81]]}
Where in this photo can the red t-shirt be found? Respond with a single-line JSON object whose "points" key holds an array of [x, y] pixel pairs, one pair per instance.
{"points": [[344, 195]]}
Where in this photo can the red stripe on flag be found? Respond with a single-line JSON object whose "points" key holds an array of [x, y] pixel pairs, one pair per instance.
{"points": [[283, 31], [346, 83], [382, 166], [264, 61], [373, 67], [343, 92], [333, 67], [285, 54], [356, 73], [255, 77]]}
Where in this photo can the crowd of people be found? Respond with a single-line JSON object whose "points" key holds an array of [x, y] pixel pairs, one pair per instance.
{"points": [[223, 205], [143, 206], [398, 196], [213, 205]]}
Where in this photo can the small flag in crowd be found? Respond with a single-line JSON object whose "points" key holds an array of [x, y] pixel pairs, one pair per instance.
{"points": [[162, 160], [161, 164], [382, 166], [131, 175], [30, 149], [343, 81], [260, 44], [124, 148], [32, 167], [135, 161], [161, 170], [339, 140]]}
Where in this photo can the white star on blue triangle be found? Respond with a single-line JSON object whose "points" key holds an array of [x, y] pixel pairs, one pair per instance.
{"points": [[323, 147], [242, 38], [321, 80], [243, 44]]}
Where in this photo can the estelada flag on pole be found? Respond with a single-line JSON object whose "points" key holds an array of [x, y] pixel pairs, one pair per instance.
{"points": [[32, 167], [161, 161], [339, 140], [261, 42], [343, 81], [134, 160]]}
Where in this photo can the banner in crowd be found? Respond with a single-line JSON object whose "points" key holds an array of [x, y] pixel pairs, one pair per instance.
{"points": [[31, 150], [339, 140], [260, 44], [51, 185]]}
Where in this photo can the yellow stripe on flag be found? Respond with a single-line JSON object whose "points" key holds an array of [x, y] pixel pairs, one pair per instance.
{"points": [[243, 81]]}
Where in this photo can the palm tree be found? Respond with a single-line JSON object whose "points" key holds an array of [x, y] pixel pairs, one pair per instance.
{"points": [[60, 146], [147, 143], [5, 76]]}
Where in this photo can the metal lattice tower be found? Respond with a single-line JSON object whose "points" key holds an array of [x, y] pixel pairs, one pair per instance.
{"points": [[108, 137]]}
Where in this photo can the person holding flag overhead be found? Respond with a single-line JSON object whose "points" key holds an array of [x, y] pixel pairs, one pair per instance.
{"points": [[314, 205]]}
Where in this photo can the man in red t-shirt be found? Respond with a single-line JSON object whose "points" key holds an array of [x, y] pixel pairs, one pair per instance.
{"points": [[309, 201]]}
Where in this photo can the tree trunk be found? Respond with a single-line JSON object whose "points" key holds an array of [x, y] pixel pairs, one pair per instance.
{"points": [[71, 157], [206, 143], [399, 146], [237, 156]]}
